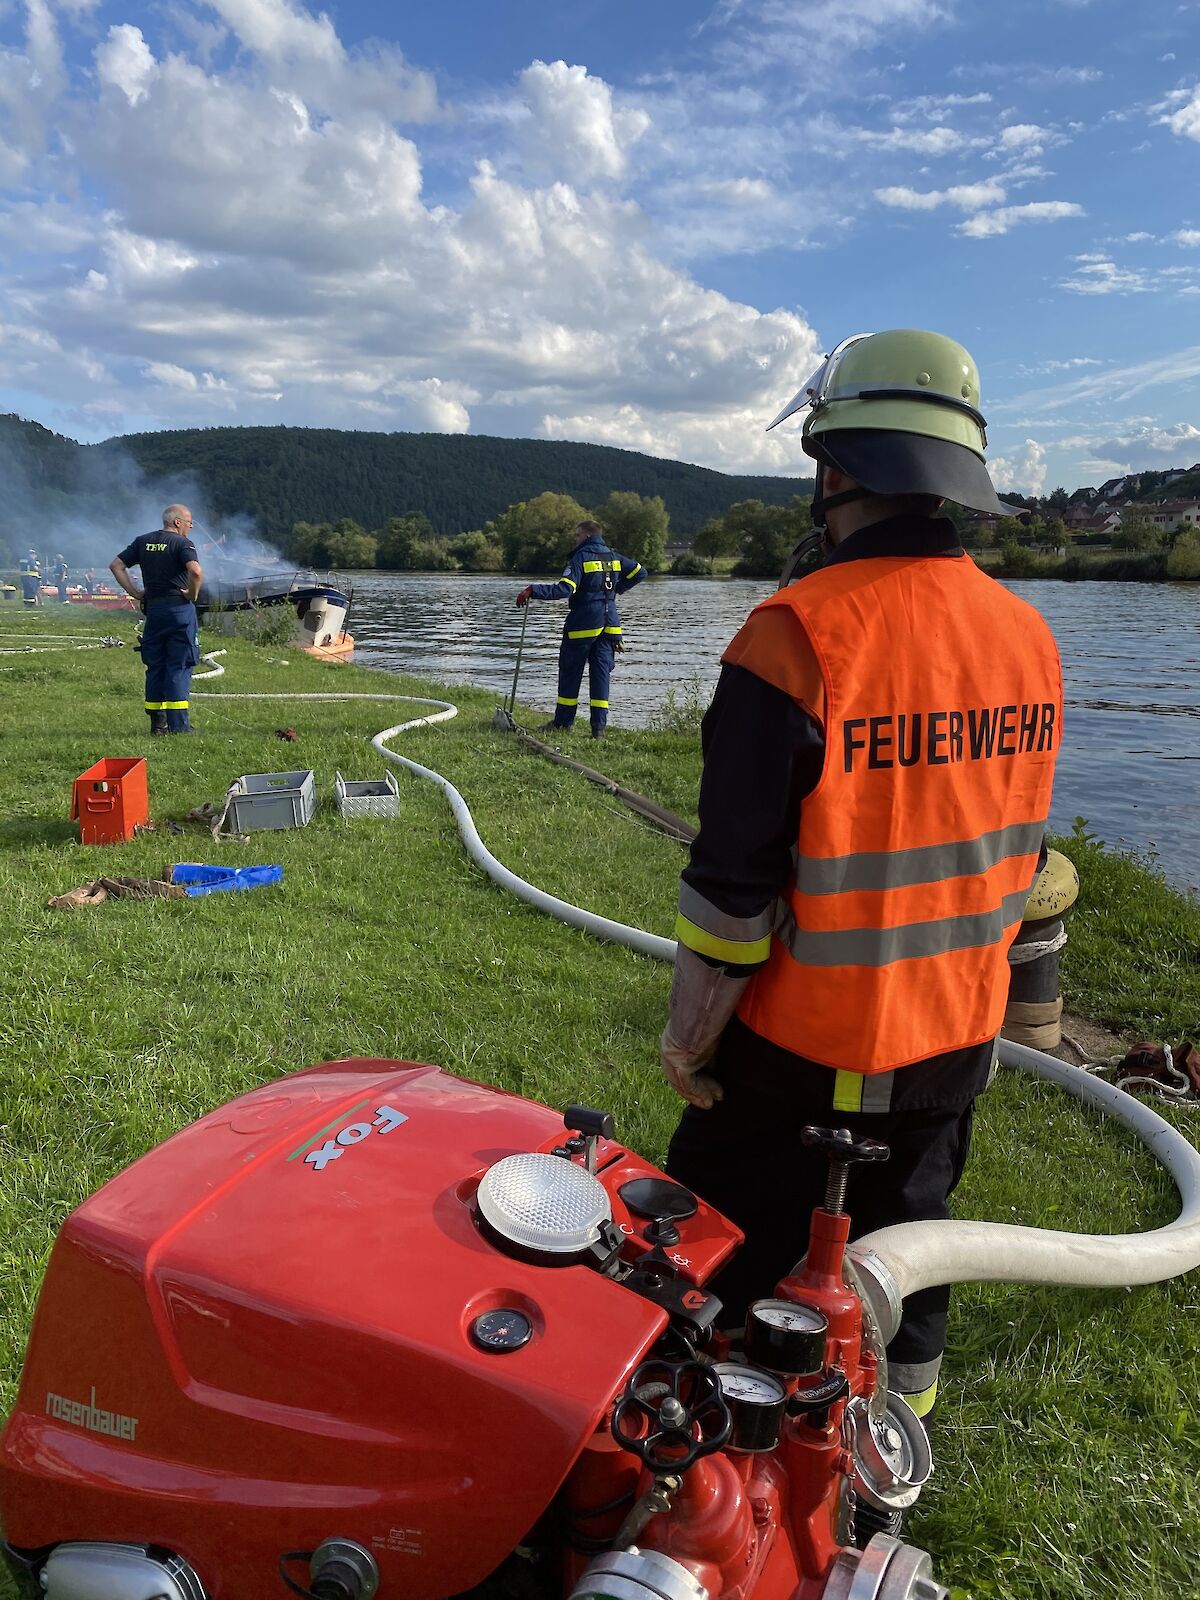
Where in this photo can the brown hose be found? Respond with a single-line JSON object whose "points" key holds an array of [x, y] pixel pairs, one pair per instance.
{"points": [[666, 821]]}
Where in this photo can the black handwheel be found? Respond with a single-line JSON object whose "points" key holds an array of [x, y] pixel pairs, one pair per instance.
{"points": [[671, 1414]]}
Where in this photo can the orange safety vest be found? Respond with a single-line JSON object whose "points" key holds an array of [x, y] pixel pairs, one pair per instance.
{"points": [[941, 698]]}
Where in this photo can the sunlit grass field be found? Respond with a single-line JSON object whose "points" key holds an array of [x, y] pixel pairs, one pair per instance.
{"points": [[1068, 1444]]}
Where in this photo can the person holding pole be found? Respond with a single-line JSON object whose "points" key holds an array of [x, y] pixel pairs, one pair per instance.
{"points": [[592, 579]]}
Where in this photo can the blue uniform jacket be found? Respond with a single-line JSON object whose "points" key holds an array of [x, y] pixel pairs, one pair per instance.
{"points": [[592, 579]]}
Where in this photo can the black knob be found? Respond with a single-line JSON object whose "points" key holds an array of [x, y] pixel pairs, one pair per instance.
{"points": [[595, 1124], [671, 1414], [842, 1146], [843, 1151]]}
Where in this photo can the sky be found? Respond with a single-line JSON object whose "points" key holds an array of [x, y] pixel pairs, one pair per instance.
{"points": [[636, 222]]}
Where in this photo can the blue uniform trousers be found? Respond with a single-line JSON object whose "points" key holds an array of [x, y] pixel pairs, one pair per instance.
{"points": [[597, 655], [170, 649]]}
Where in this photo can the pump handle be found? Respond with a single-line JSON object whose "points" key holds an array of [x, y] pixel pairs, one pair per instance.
{"points": [[595, 1124], [840, 1144]]}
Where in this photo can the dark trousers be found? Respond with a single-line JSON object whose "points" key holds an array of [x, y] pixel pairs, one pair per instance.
{"points": [[170, 649], [29, 588], [745, 1158], [597, 655]]}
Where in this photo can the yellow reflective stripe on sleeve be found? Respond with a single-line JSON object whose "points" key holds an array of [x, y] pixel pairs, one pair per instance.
{"points": [[584, 633], [922, 1403], [847, 1091], [635, 569], [174, 705], [571, 581], [740, 951], [603, 703], [564, 702]]}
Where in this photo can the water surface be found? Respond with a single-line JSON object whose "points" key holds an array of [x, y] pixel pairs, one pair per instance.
{"points": [[1131, 662]]}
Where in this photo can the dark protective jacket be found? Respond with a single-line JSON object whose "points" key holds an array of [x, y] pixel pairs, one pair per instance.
{"points": [[592, 579], [163, 558], [766, 764]]}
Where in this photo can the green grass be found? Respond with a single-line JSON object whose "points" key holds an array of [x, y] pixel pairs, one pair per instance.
{"points": [[1069, 1438]]}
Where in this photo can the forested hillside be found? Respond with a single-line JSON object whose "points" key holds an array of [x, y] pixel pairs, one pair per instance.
{"points": [[281, 476]]}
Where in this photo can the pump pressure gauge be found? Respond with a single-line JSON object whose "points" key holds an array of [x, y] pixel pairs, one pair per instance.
{"points": [[756, 1400], [786, 1336]]}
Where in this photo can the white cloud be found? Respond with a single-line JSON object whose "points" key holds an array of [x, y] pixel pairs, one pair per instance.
{"points": [[1185, 119], [1022, 473], [575, 131], [990, 224], [1138, 449], [1187, 236], [1095, 274], [126, 62], [967, 196], [1024, 136], [939, 141], [1136, 238], [173, 377]]}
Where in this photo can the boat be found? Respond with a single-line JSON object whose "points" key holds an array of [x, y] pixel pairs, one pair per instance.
{"points": [[321, 604]]}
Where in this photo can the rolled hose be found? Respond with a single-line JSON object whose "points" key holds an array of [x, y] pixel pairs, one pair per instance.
{"points": [[917, 1255], [911, 1255]]}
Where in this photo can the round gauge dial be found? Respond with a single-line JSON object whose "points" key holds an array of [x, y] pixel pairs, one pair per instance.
{"points": [[786, 1336], [502, 1330], [793, 1318], [757, 1400]]}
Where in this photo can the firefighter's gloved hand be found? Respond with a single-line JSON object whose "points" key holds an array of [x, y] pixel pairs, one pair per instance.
{"points": [[703, 999], [525, 595], [686, 1075]]}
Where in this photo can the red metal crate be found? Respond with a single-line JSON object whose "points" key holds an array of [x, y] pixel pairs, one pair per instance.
{"points": [[110, 799]]}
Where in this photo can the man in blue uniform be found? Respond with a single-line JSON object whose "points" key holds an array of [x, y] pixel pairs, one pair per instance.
{"points": [[62, 576], [171, 578], [592, 579], [31, 577]]}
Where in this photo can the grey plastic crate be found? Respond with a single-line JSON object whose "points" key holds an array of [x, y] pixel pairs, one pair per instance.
{"points": [[375, 797], [272, 800]]}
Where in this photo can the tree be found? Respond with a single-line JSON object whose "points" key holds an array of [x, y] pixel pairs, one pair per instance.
{"points": [[768, 534], [399, 538], [536, 535], [1136, 532], [1184, 559], [717, 538], [348, 545], [1057, 500], [636, 526], [476, 552]]}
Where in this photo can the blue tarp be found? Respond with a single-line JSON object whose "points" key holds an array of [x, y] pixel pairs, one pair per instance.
{"points": [[199, 879]]}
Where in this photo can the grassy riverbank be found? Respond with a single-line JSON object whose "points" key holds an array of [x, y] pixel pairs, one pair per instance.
{"points": [[1069, 1439]]}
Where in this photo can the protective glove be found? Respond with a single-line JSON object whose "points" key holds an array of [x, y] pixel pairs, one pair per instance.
{"points": [[524, 596], [703, 999]]}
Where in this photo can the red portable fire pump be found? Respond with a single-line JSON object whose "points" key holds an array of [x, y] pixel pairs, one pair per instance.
{"points": [[375, 1330]]}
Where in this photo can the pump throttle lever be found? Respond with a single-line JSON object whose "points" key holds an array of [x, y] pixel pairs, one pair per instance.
{"points": [[593, 1125], [843, 1151]]}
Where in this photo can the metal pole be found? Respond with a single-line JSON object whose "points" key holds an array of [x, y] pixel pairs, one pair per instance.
{"points": [[512, 699]]}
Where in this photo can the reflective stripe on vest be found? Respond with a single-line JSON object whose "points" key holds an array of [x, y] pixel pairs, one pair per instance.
{"points": [[918, 847]]}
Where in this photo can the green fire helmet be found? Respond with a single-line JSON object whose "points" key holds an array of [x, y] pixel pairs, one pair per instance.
{"points": [[899, 413]]}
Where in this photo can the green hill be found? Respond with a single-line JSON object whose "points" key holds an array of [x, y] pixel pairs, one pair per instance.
{"points": [[286, 475]]}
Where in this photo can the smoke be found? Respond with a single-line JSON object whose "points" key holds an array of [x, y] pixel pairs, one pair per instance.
{"points": [[86, 502]]}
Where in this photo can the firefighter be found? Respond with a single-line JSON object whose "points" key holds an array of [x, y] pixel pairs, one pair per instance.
{"points": [[878, 761], [592, 579], [62, 577], [31, 577], [171, 579]]}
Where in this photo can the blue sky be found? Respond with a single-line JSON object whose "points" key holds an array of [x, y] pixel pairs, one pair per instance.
{"points": [[636, 224]]}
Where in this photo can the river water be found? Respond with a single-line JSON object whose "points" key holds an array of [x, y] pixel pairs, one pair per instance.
{"points": [[1131, 661]]}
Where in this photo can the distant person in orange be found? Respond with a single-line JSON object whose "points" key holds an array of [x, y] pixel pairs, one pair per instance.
{"points": [[170, 648], [878, 762]]}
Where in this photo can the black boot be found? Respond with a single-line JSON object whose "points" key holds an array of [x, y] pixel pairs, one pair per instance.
{"points": [[158, 722]]}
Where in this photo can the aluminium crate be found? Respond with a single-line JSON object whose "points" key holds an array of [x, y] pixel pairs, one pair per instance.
{"points": [[374, 797], [262, 800]]}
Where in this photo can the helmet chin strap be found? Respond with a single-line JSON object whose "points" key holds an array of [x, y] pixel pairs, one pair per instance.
{"points": [[819, 537]]}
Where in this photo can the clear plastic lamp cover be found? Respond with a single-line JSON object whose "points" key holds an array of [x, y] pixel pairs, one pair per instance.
{"points": [[544, 1202]]}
